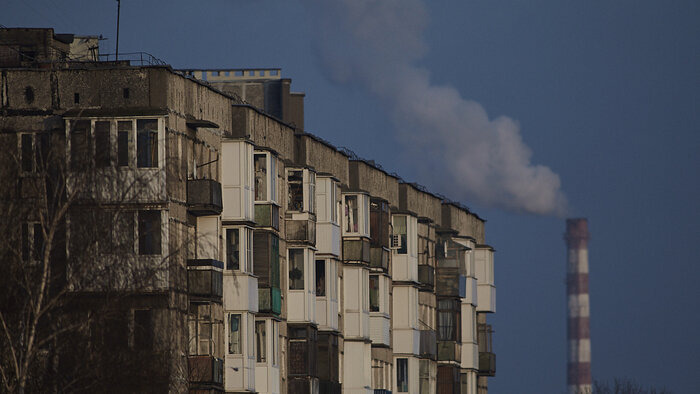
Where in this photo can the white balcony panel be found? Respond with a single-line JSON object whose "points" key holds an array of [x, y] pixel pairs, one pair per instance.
{"points": [[237, 181], [208, 235], [487, 298], [267, 379], [356, 300], [471, 293], [239, 369], [328, 239], [357, 368], [406, 341], [240, 292], [405, 311], [380, 329]]}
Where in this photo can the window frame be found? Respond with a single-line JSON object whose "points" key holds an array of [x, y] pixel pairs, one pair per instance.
{"points": [[307, 185], [299, 283], [156, 248], [402, 382], [271, 189], [245, 249], [363, 211], [230, 344]]}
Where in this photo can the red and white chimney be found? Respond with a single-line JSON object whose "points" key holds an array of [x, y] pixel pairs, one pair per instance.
{"points": [[579, 333]]}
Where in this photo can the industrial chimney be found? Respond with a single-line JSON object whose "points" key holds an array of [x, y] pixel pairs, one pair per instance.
{"points": [[578, 323]]}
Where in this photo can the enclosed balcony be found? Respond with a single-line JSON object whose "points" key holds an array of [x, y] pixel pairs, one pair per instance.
{"points": [[487, 364], [428, 344], [204, 197], [426, 276], [449, 351], [205, 278], [205, 371]]}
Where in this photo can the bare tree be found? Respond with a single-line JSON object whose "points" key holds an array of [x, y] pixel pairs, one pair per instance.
{"points": [[75, 249]]}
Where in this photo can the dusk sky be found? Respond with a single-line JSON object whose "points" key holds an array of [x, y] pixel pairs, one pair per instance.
{"points": [[528, 112]]}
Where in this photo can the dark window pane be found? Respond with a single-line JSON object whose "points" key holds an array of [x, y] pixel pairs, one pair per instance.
{"points": [[261, 341], [296, 269], [147, 143], [124, 129], [402, 375], [320, 277], [38, 242], [149, 232], [232, 249], [296, 191], [102, 144], [79, 144], [374, 293], [25, 242], [27, 152], [143, 330]]}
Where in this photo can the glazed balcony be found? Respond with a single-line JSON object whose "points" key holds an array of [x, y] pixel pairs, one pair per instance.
{"points": [[449, 351], [379, 259], [302, 230], [450, 283], [205, 278], [487, 364], [204, 197], [267, 215]]}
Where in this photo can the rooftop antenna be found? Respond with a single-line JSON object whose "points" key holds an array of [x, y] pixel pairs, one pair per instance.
{"points": [[116, 56]]}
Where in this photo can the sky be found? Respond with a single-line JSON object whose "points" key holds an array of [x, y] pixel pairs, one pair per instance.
{"points": [[526, 111]]}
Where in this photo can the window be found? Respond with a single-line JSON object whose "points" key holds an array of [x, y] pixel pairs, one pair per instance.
{"points": [[102, 144], [204, 331], [296, 191], [234, 334], [296, 269], [123, 132], [261, 341], [320, 278], [448, 315], [27, 150], [79, 140], [402, 375], [351, 215], [379, 223], [424, 376], [400, 230], [143, 329], [261, 177], [147, 143], [149, 232], [232, 249], [374, 293]]}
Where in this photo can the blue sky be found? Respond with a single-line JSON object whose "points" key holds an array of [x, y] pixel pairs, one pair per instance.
{"points": [[604, 94]]}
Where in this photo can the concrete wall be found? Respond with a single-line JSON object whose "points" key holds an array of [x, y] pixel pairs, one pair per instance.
{"points": [[376, 182]]}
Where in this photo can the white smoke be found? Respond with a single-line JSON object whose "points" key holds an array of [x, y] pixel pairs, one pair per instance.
{"points": [[375, 44]]}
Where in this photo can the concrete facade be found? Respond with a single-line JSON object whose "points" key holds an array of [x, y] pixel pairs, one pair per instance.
{"points": [[289, 266]]}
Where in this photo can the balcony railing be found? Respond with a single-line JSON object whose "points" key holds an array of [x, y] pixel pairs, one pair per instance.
{"points": [[449, 351], [204, 197], [206, 370], [379, 258], [269, 300], [487, 364], [301, 231], [267, 215], [205, 278], [428, 344], [426, 276], [356, 250], [450, 283]]}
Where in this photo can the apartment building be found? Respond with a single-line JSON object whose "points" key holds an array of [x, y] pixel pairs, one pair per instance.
{"points": [[247, 255]]}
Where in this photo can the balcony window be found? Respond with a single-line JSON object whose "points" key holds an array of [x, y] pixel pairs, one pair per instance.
{"points": [[356, 215], [261, 340], [149, 232], [147, 143], [123, 134], [302, 190], [296, 269], [234, 334], [326, 200], [424, 377], [449, 317], [320, 278], [401, 230], [402, 375], [204, 330], [374, 293], [266, 256], [103, 151], [239, 249], [79, 144], [379, 223], [265, 177]]}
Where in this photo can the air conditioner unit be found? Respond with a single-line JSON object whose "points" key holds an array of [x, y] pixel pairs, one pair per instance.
{"points": [[396, 241]]}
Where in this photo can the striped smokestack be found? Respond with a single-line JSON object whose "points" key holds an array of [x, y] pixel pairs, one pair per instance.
{"points": [[579, 334]]}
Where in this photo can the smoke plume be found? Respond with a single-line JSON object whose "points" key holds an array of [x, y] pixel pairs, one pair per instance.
{"points": [[375, 44]]}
